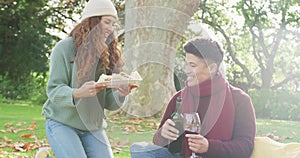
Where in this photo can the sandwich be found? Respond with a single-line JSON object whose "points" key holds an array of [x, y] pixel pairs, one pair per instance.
{"points": [[122, 78]]}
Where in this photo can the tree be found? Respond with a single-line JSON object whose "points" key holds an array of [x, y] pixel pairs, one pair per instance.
{"points": [[24, 45], [153, 31], [26, 42], [261, 39]]}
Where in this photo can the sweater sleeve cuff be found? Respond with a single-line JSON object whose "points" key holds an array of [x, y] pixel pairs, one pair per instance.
{"points": [[211, 147], [67, 98], [120, 100], [159, 140]]}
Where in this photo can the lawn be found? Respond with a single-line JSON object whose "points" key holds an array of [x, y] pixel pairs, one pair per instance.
{"points": [[22, 130]]}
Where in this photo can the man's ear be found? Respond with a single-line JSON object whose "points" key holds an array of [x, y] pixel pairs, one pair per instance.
{"points": [[213, 68]]}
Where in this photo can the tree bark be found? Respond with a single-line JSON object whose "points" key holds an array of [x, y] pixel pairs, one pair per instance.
{"points": [[153, 30]]}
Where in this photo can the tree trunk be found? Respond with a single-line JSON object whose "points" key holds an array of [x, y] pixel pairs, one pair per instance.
{"points": [[267, 74], [153, 30]]}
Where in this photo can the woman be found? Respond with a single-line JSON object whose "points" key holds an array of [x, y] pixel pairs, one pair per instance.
{"points": [[74, 111], [226, 113]]}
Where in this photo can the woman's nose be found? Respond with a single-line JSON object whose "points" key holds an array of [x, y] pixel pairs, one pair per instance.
{"points": [[111, 28]]}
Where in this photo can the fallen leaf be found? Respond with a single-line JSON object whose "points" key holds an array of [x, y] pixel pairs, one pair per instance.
{"points": [[29, 135], [8, 124], [33, 126], [27, 146], [18, 146], [6, 139], [20, 123]]}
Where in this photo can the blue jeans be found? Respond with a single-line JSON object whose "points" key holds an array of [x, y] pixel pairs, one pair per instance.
{"points": [[147, 150], [67, 142]]}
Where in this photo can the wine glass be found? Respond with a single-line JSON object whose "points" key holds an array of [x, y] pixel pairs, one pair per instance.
{"points": [[192, 125]]}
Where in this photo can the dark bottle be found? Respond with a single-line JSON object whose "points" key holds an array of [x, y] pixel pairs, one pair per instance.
{"points": [[177, 118]]}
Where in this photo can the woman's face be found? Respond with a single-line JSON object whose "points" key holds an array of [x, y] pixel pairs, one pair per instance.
{"points": [[106, 24], [196, 70]]}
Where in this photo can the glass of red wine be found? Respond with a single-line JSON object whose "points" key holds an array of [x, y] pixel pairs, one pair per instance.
{"points": [[192, 125]]}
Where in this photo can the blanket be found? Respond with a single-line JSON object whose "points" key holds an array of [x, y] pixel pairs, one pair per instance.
{"points": [[265, 147]]}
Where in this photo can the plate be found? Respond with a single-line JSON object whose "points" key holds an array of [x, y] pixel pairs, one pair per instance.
{"points": [[118, 83], [117, 80]]}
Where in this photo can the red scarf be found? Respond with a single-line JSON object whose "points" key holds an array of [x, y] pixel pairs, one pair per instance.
{"points": [[218, 120]]}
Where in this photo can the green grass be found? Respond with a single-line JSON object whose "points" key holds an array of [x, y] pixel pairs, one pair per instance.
{"points": [[122, 130], [283, 131], [20, 116]]}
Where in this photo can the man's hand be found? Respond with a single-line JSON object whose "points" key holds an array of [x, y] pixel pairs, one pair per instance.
{"points": [[197, 143], [168, 130]]}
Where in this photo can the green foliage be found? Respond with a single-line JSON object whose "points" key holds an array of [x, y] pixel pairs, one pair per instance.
{"points": [[26, 42], [276, 104], [38, 93], [62, 14], [261, 39], [31, 88], [24, 47]]}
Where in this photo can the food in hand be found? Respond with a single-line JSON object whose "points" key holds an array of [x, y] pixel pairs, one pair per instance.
{"points": [[114, 77], [124, 79]]}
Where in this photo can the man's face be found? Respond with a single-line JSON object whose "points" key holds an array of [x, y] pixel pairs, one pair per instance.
{"points": [[196, 70]]}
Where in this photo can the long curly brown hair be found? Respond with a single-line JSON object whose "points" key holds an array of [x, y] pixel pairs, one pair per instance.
{"points": [[90, 48]]}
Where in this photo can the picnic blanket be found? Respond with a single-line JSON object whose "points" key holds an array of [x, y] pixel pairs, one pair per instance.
{"points": [[265, 147]]}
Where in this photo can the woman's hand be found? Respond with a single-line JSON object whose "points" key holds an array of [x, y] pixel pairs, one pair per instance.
{"points": [[168, 130], [197, 143], [88, 89], [125, 89]]}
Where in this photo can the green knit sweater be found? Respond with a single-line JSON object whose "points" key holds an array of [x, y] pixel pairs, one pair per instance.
{"points": [[84, 113]]}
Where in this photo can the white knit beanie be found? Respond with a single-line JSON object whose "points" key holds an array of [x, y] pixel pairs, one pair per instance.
{"points": [[99, 8]]}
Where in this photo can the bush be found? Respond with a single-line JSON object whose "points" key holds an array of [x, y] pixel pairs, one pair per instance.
{"points": [[31, 88], [276, 104]]}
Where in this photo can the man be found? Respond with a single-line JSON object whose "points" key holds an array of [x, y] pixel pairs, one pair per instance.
{"points": [[226, 112]]}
